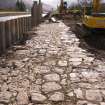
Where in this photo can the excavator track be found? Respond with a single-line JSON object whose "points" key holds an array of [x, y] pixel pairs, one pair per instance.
{"points": [[81, 30], [93, 38]]}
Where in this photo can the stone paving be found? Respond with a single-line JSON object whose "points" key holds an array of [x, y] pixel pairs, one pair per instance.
{"points": [[51, 69]]}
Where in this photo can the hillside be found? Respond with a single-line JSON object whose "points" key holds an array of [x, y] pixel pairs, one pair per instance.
{"points": [[4, 4], [12, 3]]}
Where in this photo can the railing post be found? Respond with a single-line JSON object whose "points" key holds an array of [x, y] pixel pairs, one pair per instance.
{"points": [[8, 34], [21, 27], [34, 13], [13, 32], [30, 23], [2, 37], [27, 19], [25, 24], [17, 29]]}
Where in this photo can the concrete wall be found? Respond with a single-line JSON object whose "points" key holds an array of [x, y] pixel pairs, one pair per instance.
{"points": [[12, 30]]}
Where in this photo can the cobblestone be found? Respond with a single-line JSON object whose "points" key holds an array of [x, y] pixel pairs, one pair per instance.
{"points": [[52, 68], [4, 87], [42, 69], [79, 93], [50, 86], [62, 63], [5, 97], [82, 102], [37, 98], [59, 70], [93, 95], [22, 98], [70, 94], [52, 77], [102, 103], [58, 96]]}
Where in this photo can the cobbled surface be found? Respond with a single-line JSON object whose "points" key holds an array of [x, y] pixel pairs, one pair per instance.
{"points": [[51, 69]]}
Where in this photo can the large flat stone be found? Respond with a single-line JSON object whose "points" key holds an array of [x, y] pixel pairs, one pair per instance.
{"points": [[22, 98], [41, 69], [5, 97], [62, 63], [89, 59], [4, 71], [82, 102], [85, 103], [74, 77], [102, 103], [50, 86], [4, 87], [70, 94], [91, 76], [22, 52], [75, 59], [59, 70], [85, 85], [57, 96], [79, 93], [93, 95], [75, 63], [42, 51], [38, 98], [52, 77]]}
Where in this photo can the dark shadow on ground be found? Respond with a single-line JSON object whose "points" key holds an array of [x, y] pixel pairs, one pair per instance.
{"points": [[95, 44]]}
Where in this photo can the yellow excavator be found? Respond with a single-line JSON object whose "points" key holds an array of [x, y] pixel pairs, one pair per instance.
{"points": [[93, 18]]}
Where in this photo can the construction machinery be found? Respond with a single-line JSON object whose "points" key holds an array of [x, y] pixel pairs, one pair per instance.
{"points": [[63, 7], [93, 18]]}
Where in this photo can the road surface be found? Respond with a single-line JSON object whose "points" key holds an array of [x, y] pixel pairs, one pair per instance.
{"points": [[52, 69]]}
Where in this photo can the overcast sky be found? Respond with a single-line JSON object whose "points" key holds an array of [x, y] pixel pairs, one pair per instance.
{"points": [[54, 3]]}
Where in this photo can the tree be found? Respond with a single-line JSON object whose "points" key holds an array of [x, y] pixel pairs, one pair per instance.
{"points": [[17, 5], [20, 6]]}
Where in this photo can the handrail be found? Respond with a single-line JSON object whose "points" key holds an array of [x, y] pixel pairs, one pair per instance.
{"points": [[6, 18]]}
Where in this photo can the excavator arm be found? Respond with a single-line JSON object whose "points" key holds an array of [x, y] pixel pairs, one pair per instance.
{"points": [[96, 5]]}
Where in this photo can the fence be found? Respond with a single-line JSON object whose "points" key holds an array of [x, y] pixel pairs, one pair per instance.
{"points": [[12, 28]]}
